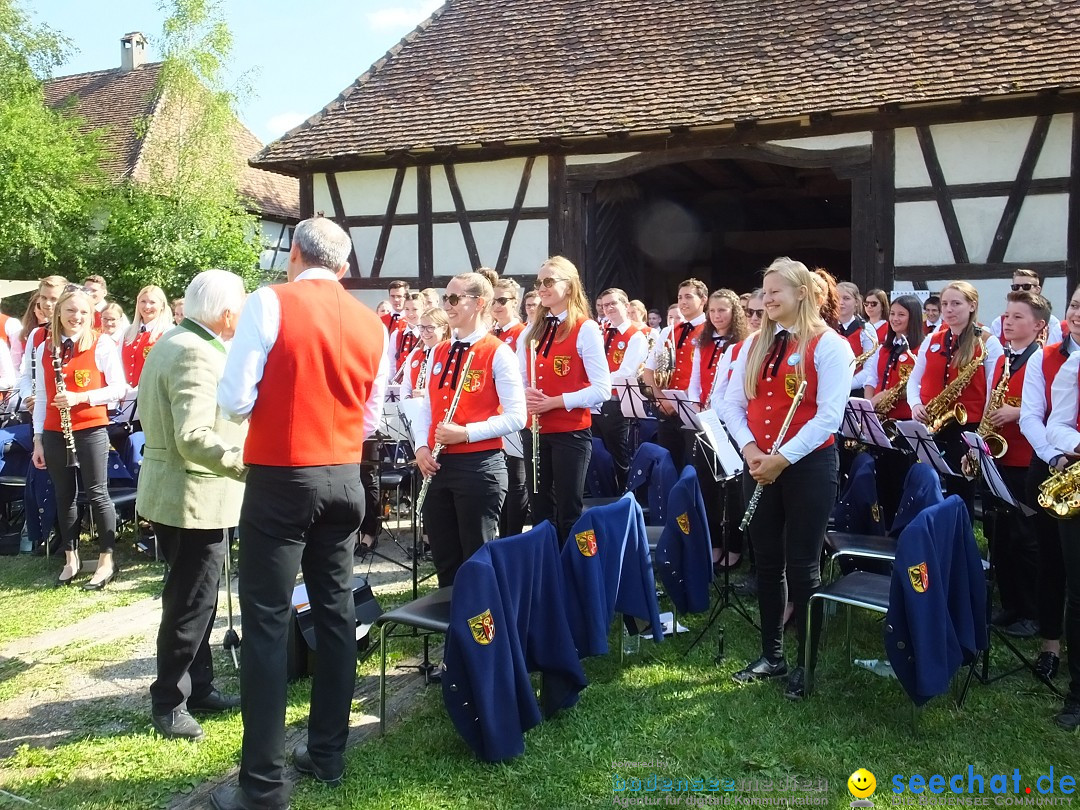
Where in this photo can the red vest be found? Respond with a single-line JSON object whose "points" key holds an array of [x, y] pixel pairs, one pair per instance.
{"points": [[766, 412], [901, 410], [708, 359], [855, 338], [479, 398], [81, 374], [973, 397], [318, 377], [97, 320], [3, 329], [416, 360], [1019, 452], [560, 372], [406, 342], [1052, 361], [684, 355], [616, 348], [735, 350], [510, 334], [134, 355], [882, 333]]}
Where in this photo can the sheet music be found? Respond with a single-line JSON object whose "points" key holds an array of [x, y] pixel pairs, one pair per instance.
{"points": [[991, 474], [865, 424], [717, 438], [632, 402], [919, 439], [513, 446], [686, 408], [395, 414]]}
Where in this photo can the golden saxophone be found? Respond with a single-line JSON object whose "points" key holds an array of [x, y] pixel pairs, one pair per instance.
{"points": [[862, 358], [438, 448], [891, 396], [945, 408], [1059, 494], [65, 413], [995, 442]]}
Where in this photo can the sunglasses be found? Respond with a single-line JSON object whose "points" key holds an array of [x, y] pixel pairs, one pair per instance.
{"points": [[453, 299], [1025, 287], [503, 301], [755, 313], [548, 282], [70, 288]]}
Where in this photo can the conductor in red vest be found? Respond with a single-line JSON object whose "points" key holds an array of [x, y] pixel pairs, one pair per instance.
{"points": [[308, 366]]}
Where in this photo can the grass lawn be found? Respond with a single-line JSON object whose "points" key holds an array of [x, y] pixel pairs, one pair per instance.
{"points": [[683, 714]]}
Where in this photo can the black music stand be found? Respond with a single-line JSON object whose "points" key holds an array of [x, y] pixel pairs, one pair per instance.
{"points": [[862, 424], [635, 406], [726, 464], [1005, 502], [918, 438]]}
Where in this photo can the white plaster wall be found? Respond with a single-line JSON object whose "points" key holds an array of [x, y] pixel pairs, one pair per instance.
{"points": [[273, 256], [585, 160], [321, 195], [448, 246], [1040, 232], [401, 259], [489, 185], [981, 151], [978, 219], [920, 236], [367, 193], [528, 249], [825, 142], [910, 169], [1056, 157]]}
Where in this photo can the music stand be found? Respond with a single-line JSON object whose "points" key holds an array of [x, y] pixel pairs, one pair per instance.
{"points": [[726, 465], [997, 487], [862, 424], [684, 407], [633, 403], [918, 438]]}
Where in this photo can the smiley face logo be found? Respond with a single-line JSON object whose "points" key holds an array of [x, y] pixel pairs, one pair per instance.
{"points": [[862, 784]]}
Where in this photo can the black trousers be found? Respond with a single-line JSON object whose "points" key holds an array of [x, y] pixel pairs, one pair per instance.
{"points": [[672, 437], [1050, 579], [1069, 531], [296, 518], [516, 505], [462, 509], [369, 477], [185, 667], [564, 461], [723, 503], [787, 532], [92, 449], [951, 443], [614, 430], [1015, 550]]}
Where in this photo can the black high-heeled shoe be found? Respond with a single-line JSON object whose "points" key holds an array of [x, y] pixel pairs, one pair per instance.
{"points": [[100, 586]]}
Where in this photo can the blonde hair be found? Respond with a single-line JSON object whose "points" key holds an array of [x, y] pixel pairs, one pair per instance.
{"points": [[577, 305], [808, 323], [52, 281], [640, 312], [437, 315], [86, 339], [853, 288], [162, 322], [972, 332], [513, 290]]}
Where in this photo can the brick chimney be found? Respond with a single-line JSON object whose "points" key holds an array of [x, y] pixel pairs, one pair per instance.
{"points": [[132, 51]]}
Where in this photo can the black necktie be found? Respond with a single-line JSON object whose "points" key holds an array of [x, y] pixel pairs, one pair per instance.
{"points": [[497, 331], [611, 333], [453, 363], [67, 350], [776, 354], [548, 337], [686, 328], [717, 349], [142, 329], [1064, 347]]}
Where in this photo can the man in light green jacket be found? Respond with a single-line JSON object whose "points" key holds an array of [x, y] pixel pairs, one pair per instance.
{"points": [[190, 489]]}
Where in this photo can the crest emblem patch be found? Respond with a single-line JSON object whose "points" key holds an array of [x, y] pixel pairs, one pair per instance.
{"points": [[474, 381], [146, 351], [618, 355], [483, 628], [82, 377], [561, 365], [920, 577], [586, 542], [684, 523], [791, 385], [875, 512]]}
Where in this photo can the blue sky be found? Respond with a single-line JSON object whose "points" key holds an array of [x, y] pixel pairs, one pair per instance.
{"points": [[301, 54]]}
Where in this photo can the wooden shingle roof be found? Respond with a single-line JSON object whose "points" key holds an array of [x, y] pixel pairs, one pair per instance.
{"points": [[113, 102], [499, 71]]}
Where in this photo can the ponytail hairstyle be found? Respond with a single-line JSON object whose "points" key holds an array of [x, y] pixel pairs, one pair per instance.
{"points": [[971, 333], [808, 322], [478, 284], [577, 305], [513, 290], [739, 326], [827, 297]]}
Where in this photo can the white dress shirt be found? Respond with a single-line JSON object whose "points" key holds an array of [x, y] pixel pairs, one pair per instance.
{"points": [[256, 333], [107, 360], [634, 353], [1061, 426], [720, 381], [833, 361], [992, 351], [693, 390], [1053, 329], [1034, 423], [25, 377], [665, 335], [590, 347], [508, 385]]}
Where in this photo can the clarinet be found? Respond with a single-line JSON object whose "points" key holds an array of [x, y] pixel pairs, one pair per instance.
{"points": [[752, 506], [65, 413], [463, 377]]}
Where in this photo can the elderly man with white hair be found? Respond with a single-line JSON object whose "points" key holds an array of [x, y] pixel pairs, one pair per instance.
{"points": [[190, 490]]}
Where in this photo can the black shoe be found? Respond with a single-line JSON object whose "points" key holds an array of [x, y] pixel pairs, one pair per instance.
{"points": [[177, 725], [100, 584], [1046, 665], [796, 684], [435, 676], [232, 797], [761, 669], [1003, 617], [1022, 628], [1069, 716], [303, 762], [214, 703]]}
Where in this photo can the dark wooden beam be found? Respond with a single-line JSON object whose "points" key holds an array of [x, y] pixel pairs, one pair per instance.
{"points": [[941, 191], [425, 249], [951, 272], [882, 214], [339, 218], [967, 191], [515, 215], [1019, 190], [307, 196], [462, 215], [1072, 270], [447, 217], [556, 203], [387, 223]]}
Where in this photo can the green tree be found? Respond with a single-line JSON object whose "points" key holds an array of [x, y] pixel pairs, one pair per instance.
{"points": [[49, 177]]}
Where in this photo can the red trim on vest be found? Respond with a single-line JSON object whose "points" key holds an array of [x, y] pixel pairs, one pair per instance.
{"points": [[735, 351], [882, 332], [399, 324], [1053, 360], [616, 352], [81, 374], [973, 398], [1019, 452], [901, 410], [406, 342], [479, 398], [134, 355], [561, 372], [511, 334], [707, 364], [684, 357], [765, 413], [318, 376]]}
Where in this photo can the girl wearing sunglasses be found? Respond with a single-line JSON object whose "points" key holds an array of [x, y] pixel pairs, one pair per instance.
{"points": [[571, 377], [508, 328]]}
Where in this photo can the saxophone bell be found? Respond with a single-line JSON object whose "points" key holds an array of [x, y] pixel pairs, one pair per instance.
{"points": [[957, 415]]}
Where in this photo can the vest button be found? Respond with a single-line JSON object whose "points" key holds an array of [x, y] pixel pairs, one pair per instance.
{"points": [[768, 421], [768, 379], [768, 435], [769, 394]]}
